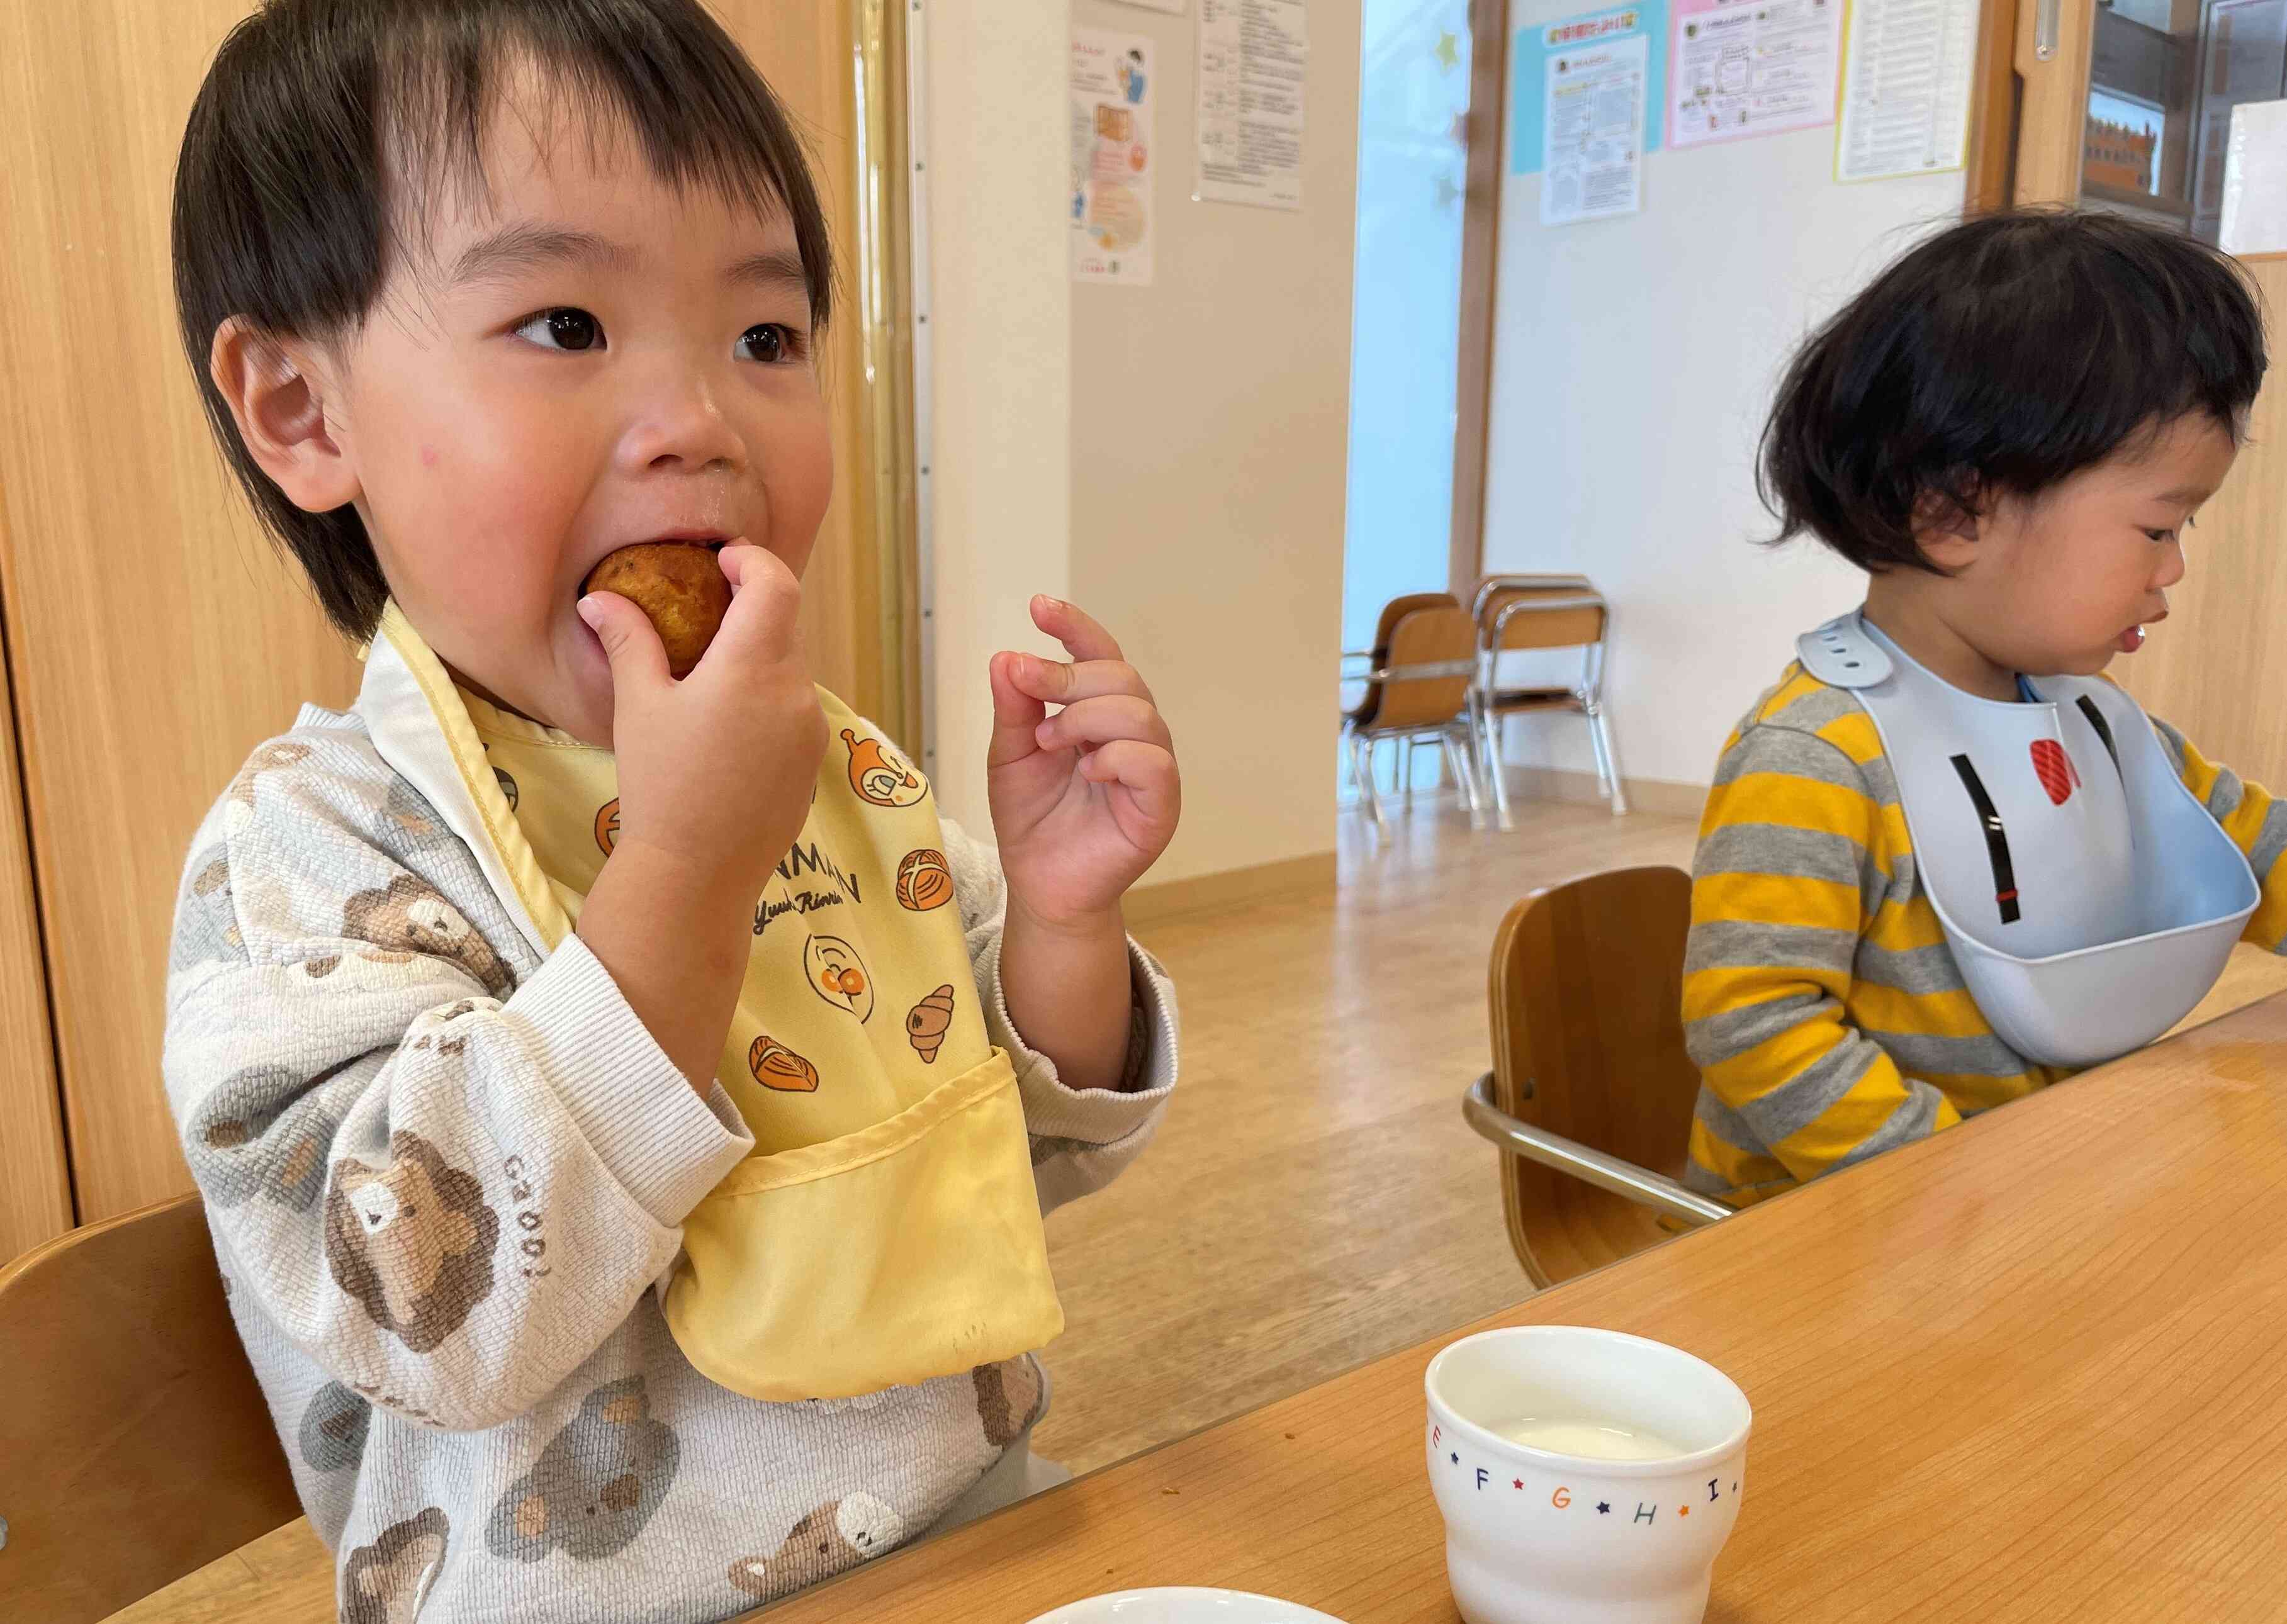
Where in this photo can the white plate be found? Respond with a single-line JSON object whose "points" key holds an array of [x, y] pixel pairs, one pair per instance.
{"points": [[1183, 1607]]}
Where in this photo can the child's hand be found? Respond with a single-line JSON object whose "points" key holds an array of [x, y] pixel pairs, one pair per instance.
{"points": [[716, 771], [1085, 800]]}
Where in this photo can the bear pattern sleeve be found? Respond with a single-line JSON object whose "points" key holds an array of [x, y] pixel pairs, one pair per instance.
{"points": [[442, 1166]]}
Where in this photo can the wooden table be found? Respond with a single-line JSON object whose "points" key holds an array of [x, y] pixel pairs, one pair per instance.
{"points": [[2033, 1369]]}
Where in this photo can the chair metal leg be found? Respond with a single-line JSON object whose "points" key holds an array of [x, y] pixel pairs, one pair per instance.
{"points": [[1597, 750], [1362, 773], [1404, 785], [1600, 729], [1489, 733], [1458, 750]]}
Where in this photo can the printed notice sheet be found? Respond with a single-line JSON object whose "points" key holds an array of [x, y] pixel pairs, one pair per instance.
{"points": [[1592, 149], [1751, 67], [1112, 98], [1253, 56], [1908, 68]]}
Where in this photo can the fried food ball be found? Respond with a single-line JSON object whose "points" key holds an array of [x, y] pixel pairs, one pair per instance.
{"points": [[679, 587]]}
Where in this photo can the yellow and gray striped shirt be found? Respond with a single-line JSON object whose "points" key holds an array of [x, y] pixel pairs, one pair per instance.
{"points": [[1821, 1002]]}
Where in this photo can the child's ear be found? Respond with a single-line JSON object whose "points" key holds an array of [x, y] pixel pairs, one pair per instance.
{"points": [[1946, 530], [277, 395]]}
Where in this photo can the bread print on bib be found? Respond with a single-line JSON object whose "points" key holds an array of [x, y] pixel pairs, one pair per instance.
{"points": [[879, 775], [838, 975], [776, 1066], [924, 880], [927, 1023]]}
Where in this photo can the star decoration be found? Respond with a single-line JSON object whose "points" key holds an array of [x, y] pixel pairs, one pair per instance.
{"points": [[1602, 1507], [1520, 1483], [1457, 1460], [1684, 1510], [1448, 51]]}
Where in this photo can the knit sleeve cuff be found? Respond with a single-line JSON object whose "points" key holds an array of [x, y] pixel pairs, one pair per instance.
{"points": [[1093, 1115], [665, 1144]]}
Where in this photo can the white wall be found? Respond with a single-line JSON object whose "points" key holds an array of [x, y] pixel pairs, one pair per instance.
{"points": [[1171, 458], [1001, 389], [1634, 363], [1209, 432]]}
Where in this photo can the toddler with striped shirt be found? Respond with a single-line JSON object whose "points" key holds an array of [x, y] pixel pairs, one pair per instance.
{"points": [[2009, 430]]}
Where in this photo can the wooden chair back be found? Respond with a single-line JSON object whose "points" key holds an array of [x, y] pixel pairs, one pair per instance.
{"points": [[1587, 996], [134, 1444], [1368, 708], [1565, 623], [1439, 635]]}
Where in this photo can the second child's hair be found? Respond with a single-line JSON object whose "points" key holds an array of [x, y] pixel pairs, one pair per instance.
{"points": [[326, 128], [1998, 360]]}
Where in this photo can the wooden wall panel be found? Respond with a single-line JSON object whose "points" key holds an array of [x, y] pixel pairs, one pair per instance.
{"points": [[2217, 668], [154, 637]]}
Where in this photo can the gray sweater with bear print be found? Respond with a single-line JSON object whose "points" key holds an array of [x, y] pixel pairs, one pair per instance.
{"points": [[444, 1175]]}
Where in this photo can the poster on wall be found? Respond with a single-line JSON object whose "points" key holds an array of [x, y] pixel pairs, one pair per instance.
{"points": [[1253, 57], [1112, 99], [1751, 67], [1174, 8], [1534, 53], [1909, 70], [1593, 140]]}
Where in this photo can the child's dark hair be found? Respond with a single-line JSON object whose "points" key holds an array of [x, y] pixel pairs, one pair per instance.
{"points": [[325, 126], [1998, 359]]}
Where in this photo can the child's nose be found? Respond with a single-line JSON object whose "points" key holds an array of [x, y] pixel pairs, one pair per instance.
{"points": [[2172, 566], [680, 424]]}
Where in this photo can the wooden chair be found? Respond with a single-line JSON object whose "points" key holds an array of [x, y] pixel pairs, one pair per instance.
{"points": [[1590, 1092], [1423, 662], [1542, 611], [134, 1444]]}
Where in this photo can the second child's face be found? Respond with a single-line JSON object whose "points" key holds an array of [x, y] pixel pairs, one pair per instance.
{"points": [[589, 360], [2062, 585]]}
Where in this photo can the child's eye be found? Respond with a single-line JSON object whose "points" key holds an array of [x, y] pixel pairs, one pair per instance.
{"points": [[2161, 535], [771, 344], [564, 329]]}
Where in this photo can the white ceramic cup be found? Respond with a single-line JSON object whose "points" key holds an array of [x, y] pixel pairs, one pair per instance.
{"points": [[1536, 1537]]}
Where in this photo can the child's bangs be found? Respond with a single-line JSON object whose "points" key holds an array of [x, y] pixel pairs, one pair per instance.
{"points": [[699, 116]]}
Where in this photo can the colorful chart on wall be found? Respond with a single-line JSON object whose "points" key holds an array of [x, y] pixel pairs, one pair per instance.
{"points": [[1592, 148], [1536, 50], [1751, 67], [1113, 76]]}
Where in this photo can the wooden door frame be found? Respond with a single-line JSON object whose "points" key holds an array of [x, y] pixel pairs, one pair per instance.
{"points": [[1473, 382], [2053, 100], [884, 487]]}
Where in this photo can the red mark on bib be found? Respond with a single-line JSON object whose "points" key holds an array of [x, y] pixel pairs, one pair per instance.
{"points": [[2056, 770]]}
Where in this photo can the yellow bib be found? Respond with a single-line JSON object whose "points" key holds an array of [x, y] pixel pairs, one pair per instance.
{"points": [[886, 1230]]}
